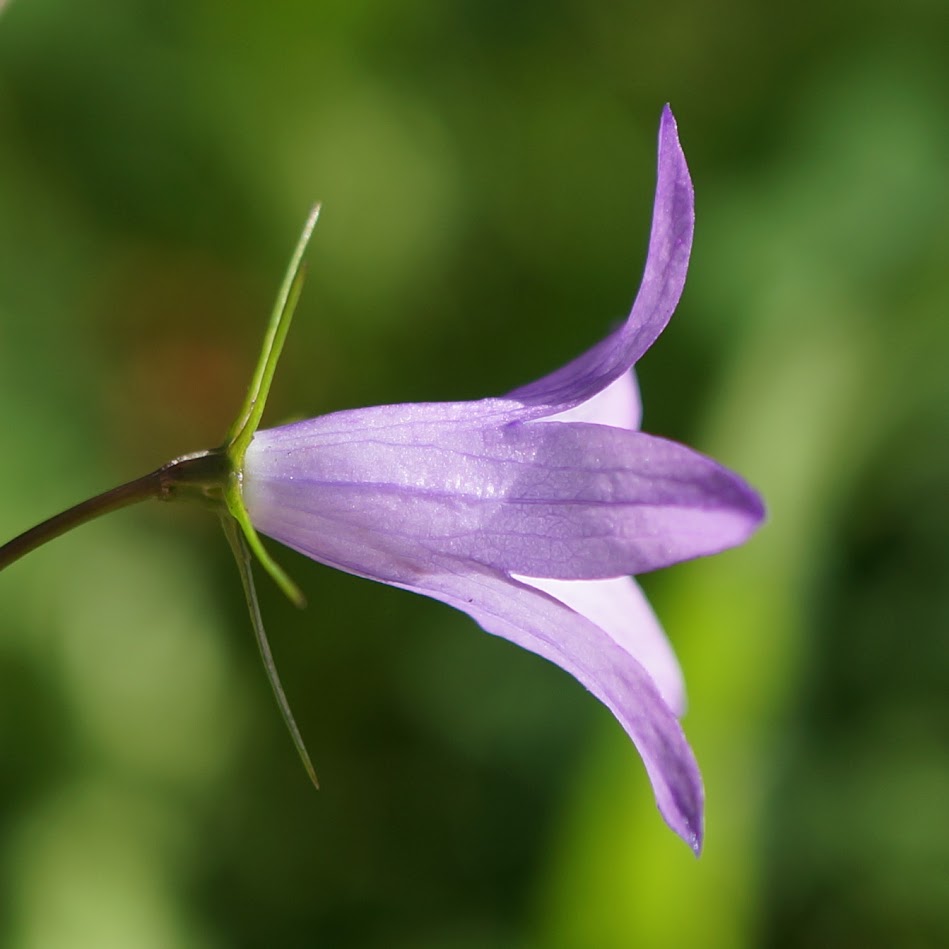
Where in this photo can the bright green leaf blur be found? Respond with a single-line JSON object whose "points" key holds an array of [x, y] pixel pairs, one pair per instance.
{"points": [[486, 174]]}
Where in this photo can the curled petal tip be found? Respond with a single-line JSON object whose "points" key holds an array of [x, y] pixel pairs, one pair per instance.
{"points": [[688, 823], [667, 261], [688, 826], [695, 842]]}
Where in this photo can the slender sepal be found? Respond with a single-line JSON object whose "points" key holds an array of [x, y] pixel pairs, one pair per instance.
{"points": [[248, 420], [241, 551], [245, 425]]}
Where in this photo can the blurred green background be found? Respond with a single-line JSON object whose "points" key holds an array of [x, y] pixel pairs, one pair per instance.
{"points": [[487, 172]]}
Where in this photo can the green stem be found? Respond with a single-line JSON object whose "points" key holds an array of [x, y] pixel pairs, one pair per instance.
{"points": [[212, 477], [196, 475]]}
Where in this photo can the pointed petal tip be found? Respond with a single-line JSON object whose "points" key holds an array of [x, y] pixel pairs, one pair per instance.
{"points": [[695, 843], [673, 166], [752, 509], [727, 529], [681, 802], [669, 130], [758, 511], [741, 513], [689, 825]]}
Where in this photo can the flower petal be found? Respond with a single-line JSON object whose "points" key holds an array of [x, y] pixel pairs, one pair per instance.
{"points": [[545, 625], [569, 501], [619, 405], [667, 260], [620, 608], [542, 624]]}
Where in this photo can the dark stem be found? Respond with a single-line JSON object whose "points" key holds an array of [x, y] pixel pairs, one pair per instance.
{"points": [[200, 475]]}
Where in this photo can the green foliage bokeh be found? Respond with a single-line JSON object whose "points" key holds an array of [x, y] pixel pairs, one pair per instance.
{"points": [[486, 173]]}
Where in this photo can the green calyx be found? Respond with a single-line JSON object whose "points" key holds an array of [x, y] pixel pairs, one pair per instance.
{"points": [[212, 478], [242, 431], [216, 476], [246, 540]]}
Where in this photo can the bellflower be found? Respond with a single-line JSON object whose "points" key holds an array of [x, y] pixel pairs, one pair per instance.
{"points": [[530, 512]]}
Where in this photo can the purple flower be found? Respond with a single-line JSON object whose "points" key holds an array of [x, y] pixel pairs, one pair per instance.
{"points": [[530, 512]]}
